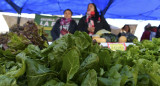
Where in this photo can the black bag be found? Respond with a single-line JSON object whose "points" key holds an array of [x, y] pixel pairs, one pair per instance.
{"points": [[158, 32]]}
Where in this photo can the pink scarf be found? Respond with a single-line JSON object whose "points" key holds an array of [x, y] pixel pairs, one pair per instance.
{"points": [[89, 20], [64, 21], [89, 15]]}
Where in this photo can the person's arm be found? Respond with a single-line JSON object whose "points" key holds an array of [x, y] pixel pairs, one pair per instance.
{"points": [[54, 31], [105, 24], [82, 25], [73, 26]]}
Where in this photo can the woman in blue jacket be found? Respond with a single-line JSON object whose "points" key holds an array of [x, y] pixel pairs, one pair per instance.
{"points": [[64, 25]]}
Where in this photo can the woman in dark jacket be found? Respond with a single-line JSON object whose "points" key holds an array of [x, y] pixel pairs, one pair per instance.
{"points": [[92, 21], [124, 31], [64, 25]]}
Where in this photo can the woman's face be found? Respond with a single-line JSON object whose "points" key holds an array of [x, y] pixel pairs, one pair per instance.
{"points": [[126, 28], [67, 14], [90, 7]]}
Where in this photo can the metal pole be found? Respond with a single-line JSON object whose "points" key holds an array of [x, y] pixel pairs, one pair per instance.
{"points": [[19, 19]]}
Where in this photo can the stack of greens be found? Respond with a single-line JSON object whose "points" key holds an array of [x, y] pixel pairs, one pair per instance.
{"points": [[31, 32], [74, 60], [20, 37]]}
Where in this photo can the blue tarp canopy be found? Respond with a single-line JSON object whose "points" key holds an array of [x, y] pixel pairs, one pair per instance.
{"points": [[121, 9]]}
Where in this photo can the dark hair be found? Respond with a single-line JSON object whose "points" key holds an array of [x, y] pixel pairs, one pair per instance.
{"points": [[96, 11], [68, 10], [126, 26], [147, 27]]}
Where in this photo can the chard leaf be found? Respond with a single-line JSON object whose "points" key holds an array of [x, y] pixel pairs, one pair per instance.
{"points": [[111, 81], [95, 48], [53, 83], [37, 73], [104, 82], [90, 62], [33, 51], [56, 50], [58, 83], [22, 70], [70, 84], [16, 69], [59, 46], [129, 76], [83, 35], [71, 63], [104, 59], [17, 73], [114, 77], [91, 79], [81, 43]]}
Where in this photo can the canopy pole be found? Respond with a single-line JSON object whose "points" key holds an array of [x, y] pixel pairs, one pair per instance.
{"points": [[19, 19], [106, 8], [17, 9]]}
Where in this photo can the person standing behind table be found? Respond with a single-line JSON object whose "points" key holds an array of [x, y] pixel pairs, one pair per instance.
{"points": [[125, 31], [153, 31], [158, 32], [146, 33], [64, 25], [92, 21]]}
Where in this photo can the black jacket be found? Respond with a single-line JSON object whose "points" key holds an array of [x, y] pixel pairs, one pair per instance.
{"points": [[102, 24], [158, 32], [55, 32]]}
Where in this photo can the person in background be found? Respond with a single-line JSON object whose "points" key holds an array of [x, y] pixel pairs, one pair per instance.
{"points": [[64, 25], [92, 21], [149, 32], [146, 33], [124, 31], [153, 31], [158, 32]]}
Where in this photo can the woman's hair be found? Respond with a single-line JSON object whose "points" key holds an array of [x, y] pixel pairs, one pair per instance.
{"points": [[96, 11], [126, 26], [147, 27], [68, 10]]}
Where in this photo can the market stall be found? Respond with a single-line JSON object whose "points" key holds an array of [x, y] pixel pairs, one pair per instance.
{"points": [[26, 58]]}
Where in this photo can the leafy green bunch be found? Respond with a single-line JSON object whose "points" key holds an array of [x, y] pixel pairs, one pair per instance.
{"points": [[74, 60]]}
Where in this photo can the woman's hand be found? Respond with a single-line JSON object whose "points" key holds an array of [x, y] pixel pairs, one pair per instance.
{"points": [[91, 29]]}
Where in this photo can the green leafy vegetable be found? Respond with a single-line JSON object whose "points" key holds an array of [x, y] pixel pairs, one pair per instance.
{"points": [[91, 79], [71, 63]]}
